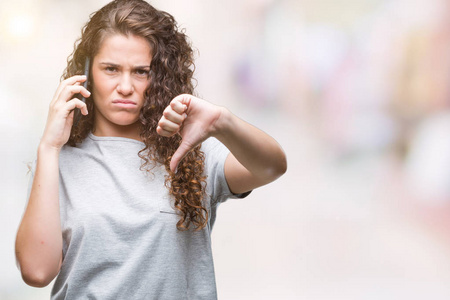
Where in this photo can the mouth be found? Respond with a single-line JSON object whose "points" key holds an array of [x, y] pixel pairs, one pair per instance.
{"points": [[122, 101], [124, 104]]}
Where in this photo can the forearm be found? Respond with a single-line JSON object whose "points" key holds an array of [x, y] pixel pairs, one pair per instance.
{"points": [[255, 150], [39, 238], [256, 158]]}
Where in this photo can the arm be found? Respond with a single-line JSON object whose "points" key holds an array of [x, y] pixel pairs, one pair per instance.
{"points": [[255, 159], [39, 238]]}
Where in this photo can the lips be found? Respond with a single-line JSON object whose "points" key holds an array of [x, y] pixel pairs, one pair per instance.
{"points": [[122, 101]]}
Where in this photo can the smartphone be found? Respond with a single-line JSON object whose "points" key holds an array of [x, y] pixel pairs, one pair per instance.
{"points": [[87, 65]]}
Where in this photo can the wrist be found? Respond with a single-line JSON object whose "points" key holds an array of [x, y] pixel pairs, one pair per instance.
{"points": [[223, 123], [45, 148]]}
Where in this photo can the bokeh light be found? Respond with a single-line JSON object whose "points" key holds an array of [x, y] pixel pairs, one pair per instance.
{"points": [[20, 26]]}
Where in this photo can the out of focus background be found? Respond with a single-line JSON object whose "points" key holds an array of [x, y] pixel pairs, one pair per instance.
{"points": [[356, 91]]}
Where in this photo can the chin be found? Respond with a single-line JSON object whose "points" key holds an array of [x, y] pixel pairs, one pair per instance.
{"points": [[124, 120]]}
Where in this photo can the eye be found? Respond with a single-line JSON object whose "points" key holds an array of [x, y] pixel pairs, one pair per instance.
{"points": [[142, 72], [110, 69]]}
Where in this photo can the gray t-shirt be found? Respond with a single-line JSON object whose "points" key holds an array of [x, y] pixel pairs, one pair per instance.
{"points": [[120, 239]]}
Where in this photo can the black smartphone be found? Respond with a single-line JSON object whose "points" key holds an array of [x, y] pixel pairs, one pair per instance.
{"points": [[87, 65]]}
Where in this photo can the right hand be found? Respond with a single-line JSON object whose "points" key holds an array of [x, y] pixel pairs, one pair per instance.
{"points": [[60, 115]]}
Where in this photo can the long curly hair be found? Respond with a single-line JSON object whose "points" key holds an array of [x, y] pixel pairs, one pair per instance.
{"points": [[171, 71]]}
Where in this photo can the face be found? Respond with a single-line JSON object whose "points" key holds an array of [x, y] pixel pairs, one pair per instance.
{"points": [[120, 77]]}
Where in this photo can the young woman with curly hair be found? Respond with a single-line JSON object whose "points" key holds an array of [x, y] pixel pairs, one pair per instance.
{"points": [[126, 185]]}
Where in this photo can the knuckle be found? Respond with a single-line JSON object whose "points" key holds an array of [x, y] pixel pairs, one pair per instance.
{"points": [[162, 124], [168, 133], [67, 81], [76, 101], [56, 106], [73, 88], [55, 109]]}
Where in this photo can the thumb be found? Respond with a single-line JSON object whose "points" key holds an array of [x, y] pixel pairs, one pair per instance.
{"points": [[179, 154]]}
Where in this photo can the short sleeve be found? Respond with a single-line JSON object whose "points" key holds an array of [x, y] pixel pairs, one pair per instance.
{"points": [[215, 155]]}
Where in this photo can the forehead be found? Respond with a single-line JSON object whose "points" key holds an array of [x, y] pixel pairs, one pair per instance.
{"points": [[125, 49]]}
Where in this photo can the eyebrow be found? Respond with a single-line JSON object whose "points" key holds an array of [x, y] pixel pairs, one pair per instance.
{"points": [[117, 66]]}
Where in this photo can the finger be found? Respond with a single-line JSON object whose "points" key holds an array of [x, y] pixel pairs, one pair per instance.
{"points": [[179, 155], [77, 79], [185, 99], [168, 125], [76, 103], [163, 132], [69, 91], [74, 79], [178, 104], [173, 116]]}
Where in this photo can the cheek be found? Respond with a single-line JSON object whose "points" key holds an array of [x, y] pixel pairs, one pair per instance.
{"points": [[102, 87], [142, 87]]}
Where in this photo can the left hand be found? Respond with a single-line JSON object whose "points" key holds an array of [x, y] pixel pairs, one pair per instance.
{"points": [[195, 119]]}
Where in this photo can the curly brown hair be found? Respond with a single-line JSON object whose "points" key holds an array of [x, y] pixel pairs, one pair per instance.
{"points": [[171, 71]]}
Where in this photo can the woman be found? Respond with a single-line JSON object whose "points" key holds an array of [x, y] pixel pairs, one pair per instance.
{"points": [[122, 203]]}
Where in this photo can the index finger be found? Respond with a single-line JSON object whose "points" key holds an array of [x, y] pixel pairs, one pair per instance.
{"points": [[181, 103], [76, 79]]}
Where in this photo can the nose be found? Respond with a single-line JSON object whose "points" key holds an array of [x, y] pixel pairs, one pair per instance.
{"points": [[125, 86]]}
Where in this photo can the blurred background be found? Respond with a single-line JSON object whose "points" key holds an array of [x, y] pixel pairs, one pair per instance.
{"points": [[356, 92]]}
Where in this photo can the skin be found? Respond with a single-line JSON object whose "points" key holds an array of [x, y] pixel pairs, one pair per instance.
{"points": [[255, 159], [119, 73]]}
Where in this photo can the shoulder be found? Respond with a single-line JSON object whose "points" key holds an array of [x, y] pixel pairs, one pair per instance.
{"points": [[214, 146], [215, 152], [215, 155], [69, 153]]}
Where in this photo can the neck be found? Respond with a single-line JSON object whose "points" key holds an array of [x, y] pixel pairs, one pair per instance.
{"points": [[131, 131]]}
